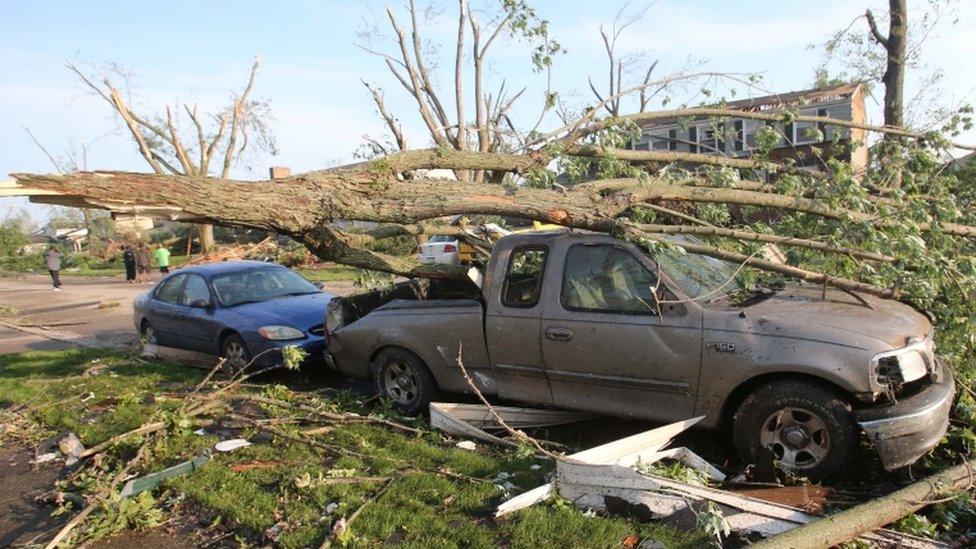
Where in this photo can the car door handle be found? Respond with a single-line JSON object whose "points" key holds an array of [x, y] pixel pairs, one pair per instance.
{"points": [[556, 333]]}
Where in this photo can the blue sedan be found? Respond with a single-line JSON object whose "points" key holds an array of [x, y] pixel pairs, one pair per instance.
{"points": [[240, 310]]}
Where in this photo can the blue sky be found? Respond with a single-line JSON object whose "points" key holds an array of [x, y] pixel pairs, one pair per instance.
{"points": [[192, 51]]}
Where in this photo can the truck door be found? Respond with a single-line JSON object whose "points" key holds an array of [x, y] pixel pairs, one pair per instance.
{"points": [[512, 321], [607, 345]]}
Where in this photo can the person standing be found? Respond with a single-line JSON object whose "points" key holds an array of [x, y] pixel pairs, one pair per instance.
{"points": [[52, 260], [129, 258], [162, 259], [142, 264]]}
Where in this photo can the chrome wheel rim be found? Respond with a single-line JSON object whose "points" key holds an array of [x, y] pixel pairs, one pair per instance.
{"points": [[400, 383], [148, 335], [235, 355], [798, 438]]}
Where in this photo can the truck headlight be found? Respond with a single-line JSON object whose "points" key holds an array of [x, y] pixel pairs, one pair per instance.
{"points": [[906, 364], [278, 333]]}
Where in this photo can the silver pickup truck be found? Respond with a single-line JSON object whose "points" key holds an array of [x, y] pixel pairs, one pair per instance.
{"points": [[588, 322]]}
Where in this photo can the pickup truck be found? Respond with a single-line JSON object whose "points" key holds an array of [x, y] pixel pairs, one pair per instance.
{"points": [[588, 322]]}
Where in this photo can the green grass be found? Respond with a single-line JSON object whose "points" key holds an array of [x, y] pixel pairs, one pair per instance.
{"points": [[332, 273], [421, 508]]}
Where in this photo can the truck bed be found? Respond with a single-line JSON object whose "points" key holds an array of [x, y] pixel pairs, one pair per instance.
{"points": [[433, 319]]}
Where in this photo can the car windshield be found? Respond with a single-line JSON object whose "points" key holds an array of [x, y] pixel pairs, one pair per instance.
{"points": [[699, 275], [257, 285]]}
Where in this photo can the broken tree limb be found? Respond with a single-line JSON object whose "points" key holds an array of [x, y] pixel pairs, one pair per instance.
{"points": [[763, 237], [787, 270], [849, 524]]}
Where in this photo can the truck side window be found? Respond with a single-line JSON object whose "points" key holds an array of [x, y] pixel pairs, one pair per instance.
{"points": [[607, 278], [524, 278]]}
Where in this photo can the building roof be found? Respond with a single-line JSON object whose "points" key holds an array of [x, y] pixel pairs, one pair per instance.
{"points": [[794, 98]]}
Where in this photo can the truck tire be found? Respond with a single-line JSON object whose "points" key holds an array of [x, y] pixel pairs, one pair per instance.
{"points": [[810, 429], [403, 378]]}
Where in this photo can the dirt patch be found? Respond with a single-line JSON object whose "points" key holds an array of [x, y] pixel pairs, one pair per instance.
{"points": [[24, 519]]}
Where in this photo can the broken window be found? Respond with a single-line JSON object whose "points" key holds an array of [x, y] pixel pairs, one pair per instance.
{"points": [[523, 281]]}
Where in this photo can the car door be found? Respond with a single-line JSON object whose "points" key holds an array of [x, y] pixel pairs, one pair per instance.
{"points": [[164, 310], [512, 324], [197, 316], [608, 345]]}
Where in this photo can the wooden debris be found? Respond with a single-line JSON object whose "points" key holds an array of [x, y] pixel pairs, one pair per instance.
{"points": [[850, 523]]}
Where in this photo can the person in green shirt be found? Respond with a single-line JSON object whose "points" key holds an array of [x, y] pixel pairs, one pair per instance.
{"points": [[162, 259]]}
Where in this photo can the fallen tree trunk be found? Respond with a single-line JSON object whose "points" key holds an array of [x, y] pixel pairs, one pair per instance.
{"points": [[847, 525]]}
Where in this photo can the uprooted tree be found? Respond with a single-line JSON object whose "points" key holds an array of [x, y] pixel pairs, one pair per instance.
{"points": [[841, 229]]}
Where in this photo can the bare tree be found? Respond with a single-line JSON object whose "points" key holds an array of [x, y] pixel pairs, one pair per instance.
{"points": [[868, 51], [492, 129], [218, 139], [620, 64]]}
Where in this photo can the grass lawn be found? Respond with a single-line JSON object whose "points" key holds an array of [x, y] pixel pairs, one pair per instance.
{"points": [[296, 489]]}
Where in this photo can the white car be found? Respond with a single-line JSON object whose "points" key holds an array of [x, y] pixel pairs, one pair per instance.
{"points": [[440, 249]]}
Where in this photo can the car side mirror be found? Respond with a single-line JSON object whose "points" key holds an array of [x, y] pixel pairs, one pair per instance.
{"points": [[200, 304], [319, 285]]}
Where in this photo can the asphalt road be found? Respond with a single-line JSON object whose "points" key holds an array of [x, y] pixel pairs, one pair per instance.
{"points": [[88, 311]]}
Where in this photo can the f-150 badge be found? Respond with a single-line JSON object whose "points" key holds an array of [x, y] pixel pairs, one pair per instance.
{"points": [[720, 346]]}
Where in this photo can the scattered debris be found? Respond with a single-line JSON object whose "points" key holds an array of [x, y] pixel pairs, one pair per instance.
{"points": [[71, 447], [472, 420], [251, 465], [809, 497], [273, 534], [604, 477], [260, 250], [44, 458], [152, 480], [108, 305], [467, 445], [231, 445]]}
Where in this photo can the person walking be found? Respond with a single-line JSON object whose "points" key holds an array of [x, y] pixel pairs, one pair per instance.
{"points": [[142, 264], [162, 259], [52, 260], [129, 258]]}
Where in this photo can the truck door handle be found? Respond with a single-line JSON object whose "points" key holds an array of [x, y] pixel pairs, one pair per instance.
{"points": [[556, 333]]}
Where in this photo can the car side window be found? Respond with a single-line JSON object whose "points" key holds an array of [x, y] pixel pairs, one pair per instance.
{"points": [[169, 292], [195, 290], [523, 281], [607, 278]]}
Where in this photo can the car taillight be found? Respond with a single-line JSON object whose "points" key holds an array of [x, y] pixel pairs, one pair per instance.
{"points": [[450, 248], [333, 317]]}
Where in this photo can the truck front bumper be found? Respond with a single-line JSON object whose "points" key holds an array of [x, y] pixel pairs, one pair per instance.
{"points": [[905, 431]]}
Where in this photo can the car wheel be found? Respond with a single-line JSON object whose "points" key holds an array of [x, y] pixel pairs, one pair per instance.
{"points": [[809, 429], [403, 378], [234, 352], [147, 334]]}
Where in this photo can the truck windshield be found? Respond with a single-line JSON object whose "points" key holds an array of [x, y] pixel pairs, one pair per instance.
{"points": [[699, 275]]}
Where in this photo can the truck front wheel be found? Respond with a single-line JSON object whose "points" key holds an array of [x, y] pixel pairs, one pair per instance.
{"points": [[809, 429], [403, 378]]}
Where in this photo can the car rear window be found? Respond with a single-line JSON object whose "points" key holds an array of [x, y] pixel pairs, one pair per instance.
{"points": [[523, 281]]}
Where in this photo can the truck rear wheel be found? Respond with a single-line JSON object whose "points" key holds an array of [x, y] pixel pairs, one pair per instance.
{"points": [[403, 378], [810, 430]]}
